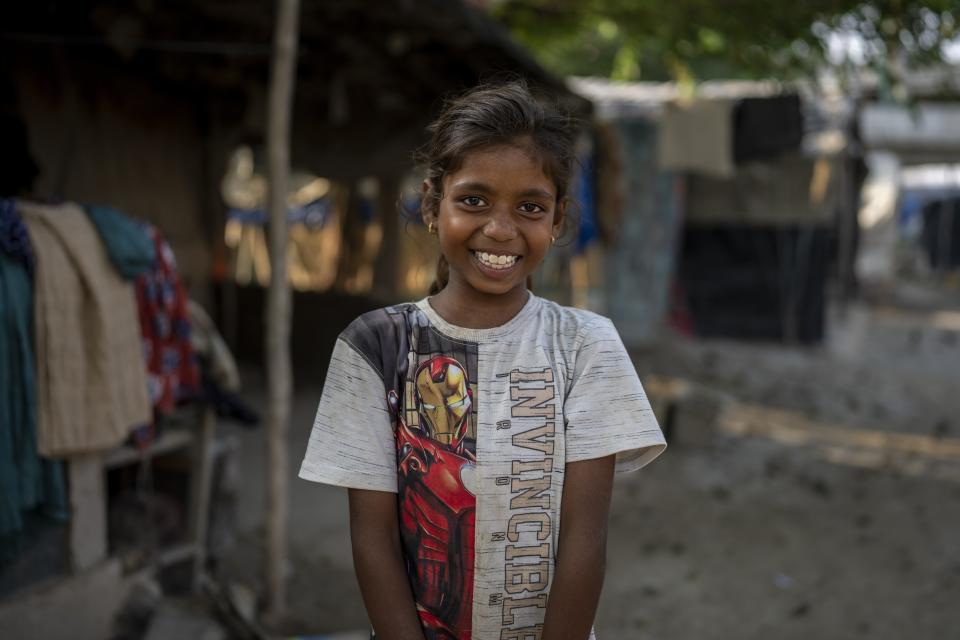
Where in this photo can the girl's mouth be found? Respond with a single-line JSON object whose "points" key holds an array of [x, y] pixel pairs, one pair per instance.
{"points": [[497, 262]]}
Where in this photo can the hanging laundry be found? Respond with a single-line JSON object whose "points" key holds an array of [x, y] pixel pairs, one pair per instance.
{"points": [[172, 371], [712, 136], [139, 252], [14, 239], [26, 481], [766, 127], [128, 243], [698, 136], [90, 378]]}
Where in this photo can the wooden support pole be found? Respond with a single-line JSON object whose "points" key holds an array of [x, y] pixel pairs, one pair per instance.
{"points": [[201, 484], [279, 302]]}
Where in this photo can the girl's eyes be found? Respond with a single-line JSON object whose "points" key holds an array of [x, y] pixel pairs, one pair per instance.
{"points": [[529, 208], [472, 201]]}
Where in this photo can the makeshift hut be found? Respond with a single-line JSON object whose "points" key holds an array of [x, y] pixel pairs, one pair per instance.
{"points": [[140, 106], [731, 202]]}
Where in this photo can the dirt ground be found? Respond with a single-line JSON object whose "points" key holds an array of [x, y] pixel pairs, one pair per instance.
{"points": [[824, 502]]}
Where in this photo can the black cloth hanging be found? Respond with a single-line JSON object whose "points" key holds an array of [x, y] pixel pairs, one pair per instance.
{"points": [[766, 127]]}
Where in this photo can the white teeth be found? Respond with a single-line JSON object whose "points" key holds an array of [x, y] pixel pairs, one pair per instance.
{"points": [[495, 261]]}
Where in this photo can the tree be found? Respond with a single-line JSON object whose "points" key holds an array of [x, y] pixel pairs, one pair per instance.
{"points": [[686, 39]]}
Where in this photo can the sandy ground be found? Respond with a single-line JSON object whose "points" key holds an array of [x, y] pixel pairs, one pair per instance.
{"points": [[826, 504]]}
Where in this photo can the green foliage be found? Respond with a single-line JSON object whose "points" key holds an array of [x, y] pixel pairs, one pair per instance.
{"points": [[678, 39]]}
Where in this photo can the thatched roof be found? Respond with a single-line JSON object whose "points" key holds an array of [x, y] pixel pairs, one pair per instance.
{"points": [[370, 72]]}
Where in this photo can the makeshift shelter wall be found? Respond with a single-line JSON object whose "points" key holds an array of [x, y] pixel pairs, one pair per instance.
{"points": [[118, 138]]}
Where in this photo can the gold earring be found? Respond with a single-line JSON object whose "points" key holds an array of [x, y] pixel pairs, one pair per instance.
{"points": [[553, 240], [430, 229]]}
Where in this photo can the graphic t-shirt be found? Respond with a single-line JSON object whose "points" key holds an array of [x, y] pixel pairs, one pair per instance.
{"points": [[472, 428]]}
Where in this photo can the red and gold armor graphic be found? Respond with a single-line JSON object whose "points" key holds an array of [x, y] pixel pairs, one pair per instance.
{"points": [[437, 507], [443, 400]]}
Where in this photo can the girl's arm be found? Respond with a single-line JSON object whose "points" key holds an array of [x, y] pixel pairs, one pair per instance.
{"points": [[377, 559], [581, 551]]}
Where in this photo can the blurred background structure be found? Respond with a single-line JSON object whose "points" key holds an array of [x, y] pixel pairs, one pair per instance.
{"points": [[768, 204]]}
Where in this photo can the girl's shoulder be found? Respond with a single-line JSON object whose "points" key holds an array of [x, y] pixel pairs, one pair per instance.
{"points": [[372, 332], [574, 322], [570, 314], [376, 320]]}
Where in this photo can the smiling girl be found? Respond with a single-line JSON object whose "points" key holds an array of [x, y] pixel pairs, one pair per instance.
{"points": [[469, 425]]}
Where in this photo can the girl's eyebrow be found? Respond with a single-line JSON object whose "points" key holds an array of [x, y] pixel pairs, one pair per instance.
{"points": [[536, 193], [473, 185]]}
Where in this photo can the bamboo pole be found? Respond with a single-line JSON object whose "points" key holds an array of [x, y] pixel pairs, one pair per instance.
{"points": [[279, 303]]}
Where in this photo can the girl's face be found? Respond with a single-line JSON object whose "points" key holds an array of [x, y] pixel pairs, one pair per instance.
{"points": [[495, 221]]}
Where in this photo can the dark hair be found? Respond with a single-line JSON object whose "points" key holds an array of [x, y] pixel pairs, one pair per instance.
{"points": [[489, 115]]}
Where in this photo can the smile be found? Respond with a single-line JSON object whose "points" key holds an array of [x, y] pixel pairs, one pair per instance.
{"points": [[495, 261]]}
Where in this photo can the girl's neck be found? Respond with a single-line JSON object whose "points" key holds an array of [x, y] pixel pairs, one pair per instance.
{"points": [[471, 309]]}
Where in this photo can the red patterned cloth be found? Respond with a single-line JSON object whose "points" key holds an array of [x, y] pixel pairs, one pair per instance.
{"points": [[173, 374]]}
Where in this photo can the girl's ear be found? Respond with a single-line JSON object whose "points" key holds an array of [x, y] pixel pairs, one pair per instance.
{"points": [[559, 217], [427, 214]]}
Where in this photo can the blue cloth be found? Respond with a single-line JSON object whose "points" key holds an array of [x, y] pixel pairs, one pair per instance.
{"points": [[14, 240], [585, 194], [128, 242], [26, 480]]}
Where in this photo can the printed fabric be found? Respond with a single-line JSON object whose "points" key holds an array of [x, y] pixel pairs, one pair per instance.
{"points": [[173, 374], [472, 428]]}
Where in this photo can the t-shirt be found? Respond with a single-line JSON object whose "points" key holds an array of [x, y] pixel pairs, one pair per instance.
{"points": [[472, 429]]}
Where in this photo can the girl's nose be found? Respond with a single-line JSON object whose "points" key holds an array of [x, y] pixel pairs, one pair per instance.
{"points": [[500, 226]]}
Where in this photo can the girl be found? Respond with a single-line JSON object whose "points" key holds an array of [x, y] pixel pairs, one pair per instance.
{"points": [[469, 425]]}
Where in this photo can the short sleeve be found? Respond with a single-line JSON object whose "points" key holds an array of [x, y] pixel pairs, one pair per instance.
{"points": [[352, 442], [606, 410]]}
